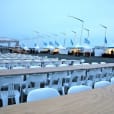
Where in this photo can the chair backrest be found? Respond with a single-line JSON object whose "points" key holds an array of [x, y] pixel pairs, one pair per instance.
{"points": [[57, 63], [107, 70], [18, 67], [42, 93], [102, 62], [94, 75], [35, 66], [79, 88], [75, 64], [3, 68], [50, 65], [58, 77], [82, 60], [85, 63], [107, 73], [93, 63], [3, 93], [47, 62], [12, 81], [61, 65], [37, 79], [101, 84], [79, 75], [2, 82], [9, 84], [68, 62]]}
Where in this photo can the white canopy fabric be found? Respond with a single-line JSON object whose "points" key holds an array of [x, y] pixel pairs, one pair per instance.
{"points": [[99, 50], [36, 47], [25, 48], [78, 46], [86, 48], [61, 47], [50, 47], [62, 50], [111, 45]]}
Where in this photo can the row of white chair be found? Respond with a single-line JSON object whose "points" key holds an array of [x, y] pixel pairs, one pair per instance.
{"points": [[80, 88], [46, 93], [18, 56], [28, 64], [67, 79], [37, 64]]}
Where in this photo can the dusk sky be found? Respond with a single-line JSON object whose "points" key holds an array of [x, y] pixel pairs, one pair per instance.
{"points": [[35, 21]]}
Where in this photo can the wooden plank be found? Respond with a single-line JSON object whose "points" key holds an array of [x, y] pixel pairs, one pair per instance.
{"points": [[53, 69]]}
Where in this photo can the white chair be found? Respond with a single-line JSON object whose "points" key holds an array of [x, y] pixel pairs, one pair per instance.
{"points": [[77, 78], [79, 88], [56, 80], [36, 80], [3, 94], [9, 83], [101, 84], [93, 76], [41, 94], [107, 73]]}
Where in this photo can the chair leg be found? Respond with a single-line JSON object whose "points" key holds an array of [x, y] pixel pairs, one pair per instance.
{"points": [[4, 100], [63, 91], [17, 99]]}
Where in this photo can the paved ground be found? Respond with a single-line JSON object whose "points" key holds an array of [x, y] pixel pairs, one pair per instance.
{"points": [[87, 59]]}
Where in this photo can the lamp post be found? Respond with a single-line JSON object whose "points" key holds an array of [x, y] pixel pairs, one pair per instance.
{"points": [[82, 21], [37, 34], [87, 32], [105, 27], [74, 34], [64, 38]]}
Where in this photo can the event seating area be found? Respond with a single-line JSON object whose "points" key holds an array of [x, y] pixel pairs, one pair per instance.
{"points": [[11, 60], [15, 89]]}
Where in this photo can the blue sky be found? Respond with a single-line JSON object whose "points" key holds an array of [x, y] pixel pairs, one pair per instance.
{"points": [[35, 21]]}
